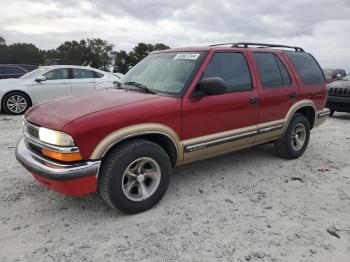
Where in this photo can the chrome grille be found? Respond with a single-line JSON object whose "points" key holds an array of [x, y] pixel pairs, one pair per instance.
{"points": [[339, 91], [31, 131]]}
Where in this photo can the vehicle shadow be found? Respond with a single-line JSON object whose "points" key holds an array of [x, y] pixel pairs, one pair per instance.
{"points": [[186, 179], [344, 116]]}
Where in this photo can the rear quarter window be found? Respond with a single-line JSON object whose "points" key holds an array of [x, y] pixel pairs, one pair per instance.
{"points": [[307, 67]]}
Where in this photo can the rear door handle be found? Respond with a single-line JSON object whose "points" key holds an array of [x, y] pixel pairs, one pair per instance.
{"points": [[292, 95], [253, 101]]}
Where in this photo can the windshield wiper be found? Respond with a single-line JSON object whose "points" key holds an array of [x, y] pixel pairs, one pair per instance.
{"points": [[140, 87]]}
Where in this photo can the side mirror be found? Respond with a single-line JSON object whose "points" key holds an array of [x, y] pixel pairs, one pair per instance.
{"points": [[40, 79], [210, 86]]}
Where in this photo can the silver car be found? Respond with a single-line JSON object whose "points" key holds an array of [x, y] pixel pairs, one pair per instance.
{"points": [[50, 82]]}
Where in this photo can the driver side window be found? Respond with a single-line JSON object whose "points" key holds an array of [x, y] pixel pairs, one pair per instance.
{"points": [[232, 68], [56, 74]]}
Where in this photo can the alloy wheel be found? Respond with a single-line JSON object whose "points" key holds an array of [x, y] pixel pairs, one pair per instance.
{"points": [[141, 179], [298, 137], [17, 104]]}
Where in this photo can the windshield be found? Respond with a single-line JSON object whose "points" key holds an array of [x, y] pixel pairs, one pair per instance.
{"points": [[347, 77], [34, 73], [167, 73]]}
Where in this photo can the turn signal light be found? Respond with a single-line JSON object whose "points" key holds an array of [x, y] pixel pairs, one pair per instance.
{"points": [[66, 157]]}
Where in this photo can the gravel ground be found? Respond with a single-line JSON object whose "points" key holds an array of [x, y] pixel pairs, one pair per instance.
{"points": [[245, 206]]}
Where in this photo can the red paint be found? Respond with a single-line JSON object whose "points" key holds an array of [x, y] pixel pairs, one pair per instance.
{"points": [[73, 187], [90, 118], [213, 114]]}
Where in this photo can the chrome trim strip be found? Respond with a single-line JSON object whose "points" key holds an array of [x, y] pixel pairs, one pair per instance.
{"points": [[270, 128], [323, 114], [41, 144], [218, 141]]}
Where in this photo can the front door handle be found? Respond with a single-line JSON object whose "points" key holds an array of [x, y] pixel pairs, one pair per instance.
{"points": [[253, 101], [292, 95]]}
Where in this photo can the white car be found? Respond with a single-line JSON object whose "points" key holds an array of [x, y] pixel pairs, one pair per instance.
{"points": [[50, 82]]}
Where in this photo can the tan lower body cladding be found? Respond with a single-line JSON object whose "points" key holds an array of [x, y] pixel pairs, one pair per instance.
{"points": [[221, 143]]}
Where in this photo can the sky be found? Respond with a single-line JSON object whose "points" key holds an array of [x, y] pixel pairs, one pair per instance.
{"points": [[321, 27]]}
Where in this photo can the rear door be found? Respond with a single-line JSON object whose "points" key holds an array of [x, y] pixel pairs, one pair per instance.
{"points": [[57, 84], [83, 81], [278, 90]]}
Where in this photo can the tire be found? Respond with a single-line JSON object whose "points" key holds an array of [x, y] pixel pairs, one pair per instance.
{"points": [[296, 138], [332, 112], [125, 169], [15, 103]]}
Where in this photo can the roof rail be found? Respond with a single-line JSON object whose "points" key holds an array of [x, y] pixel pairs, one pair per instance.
{"points": [[260, 45]]}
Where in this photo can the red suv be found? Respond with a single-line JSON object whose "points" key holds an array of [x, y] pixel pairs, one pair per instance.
{"points": [[174, 107]]}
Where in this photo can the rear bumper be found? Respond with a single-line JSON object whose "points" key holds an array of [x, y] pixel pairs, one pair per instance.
{"points": [[70, 179], [321, 116], [338, 103]]}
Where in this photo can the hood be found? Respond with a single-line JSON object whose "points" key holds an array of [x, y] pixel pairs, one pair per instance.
{"points": [[339, 83], [58, 113]]}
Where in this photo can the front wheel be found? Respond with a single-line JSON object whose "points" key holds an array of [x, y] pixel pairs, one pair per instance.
{"points": [[135, 176], [15, 103], [332, 112], [296, 138]]}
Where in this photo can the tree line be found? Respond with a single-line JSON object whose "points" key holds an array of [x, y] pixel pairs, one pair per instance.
{"points": [[95, 52]]}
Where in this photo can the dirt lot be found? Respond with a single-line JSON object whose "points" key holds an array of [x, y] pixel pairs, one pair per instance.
{"points": [[245, 206]]}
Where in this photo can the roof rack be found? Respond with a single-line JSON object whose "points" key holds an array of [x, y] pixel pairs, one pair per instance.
{"points": [[260, 45]]}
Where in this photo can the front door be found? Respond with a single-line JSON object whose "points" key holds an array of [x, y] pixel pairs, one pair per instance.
{"points": [[57, 84], [218, 124]]}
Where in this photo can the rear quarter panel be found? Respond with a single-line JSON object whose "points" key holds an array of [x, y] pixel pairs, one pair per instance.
{"points": [[315, 92]]}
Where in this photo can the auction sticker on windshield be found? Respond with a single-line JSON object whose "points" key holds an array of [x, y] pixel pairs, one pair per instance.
{"points": [[187, 56]]}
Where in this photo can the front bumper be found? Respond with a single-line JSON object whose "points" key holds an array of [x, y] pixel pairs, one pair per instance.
{"points": [[70, 179], [338, 103]]}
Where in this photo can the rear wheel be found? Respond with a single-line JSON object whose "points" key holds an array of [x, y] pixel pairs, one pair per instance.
{"points": [[135, 176], [296, 138], [15, 103]]}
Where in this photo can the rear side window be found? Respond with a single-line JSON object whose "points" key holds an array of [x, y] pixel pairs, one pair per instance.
{"points": [[232, 68], [284, 73], [12, 70], [272, 72], [82, 73], [97, 75], [307, 67]]}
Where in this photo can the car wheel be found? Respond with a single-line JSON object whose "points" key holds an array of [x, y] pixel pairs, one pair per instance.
{"points": [[135, 176], [296, 138], [332, 112], [15, 103]]}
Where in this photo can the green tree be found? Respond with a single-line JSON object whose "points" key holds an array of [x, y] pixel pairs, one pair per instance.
{"points": [[20, 53], [2, 41], [96, 52], [123, 60]]}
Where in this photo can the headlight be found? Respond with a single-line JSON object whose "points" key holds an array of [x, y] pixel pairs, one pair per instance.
{"points": [[55, 137]]}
